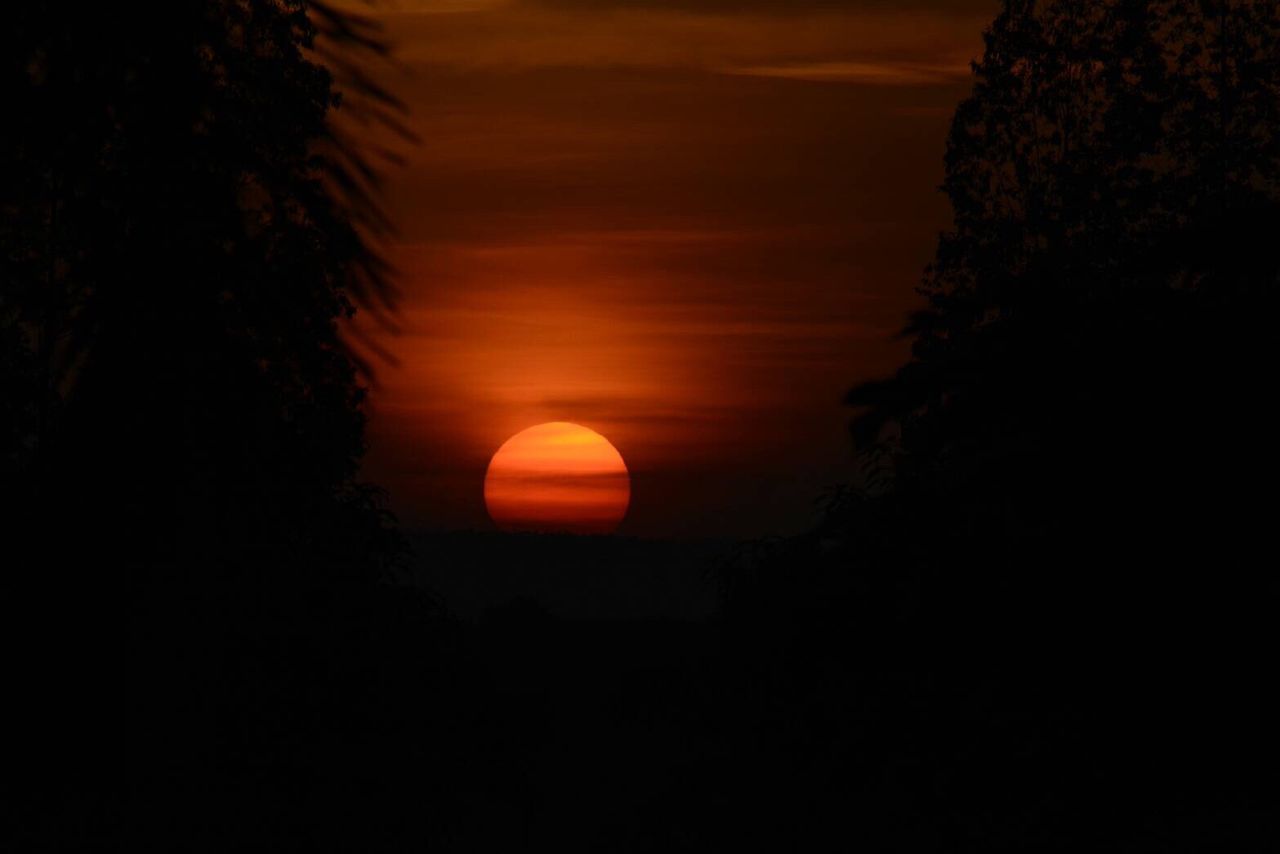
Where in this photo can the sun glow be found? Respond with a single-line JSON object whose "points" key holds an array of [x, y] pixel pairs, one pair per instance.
{"points": [[557, 477]]}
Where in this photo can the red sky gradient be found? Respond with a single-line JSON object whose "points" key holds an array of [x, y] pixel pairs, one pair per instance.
{"points": [[689, 227]]}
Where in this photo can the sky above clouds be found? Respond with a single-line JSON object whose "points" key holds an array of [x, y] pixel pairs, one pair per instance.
{"points": [[689, 226]]}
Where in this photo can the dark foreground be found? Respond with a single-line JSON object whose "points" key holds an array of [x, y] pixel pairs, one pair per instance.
{"points": [[784, 716]]}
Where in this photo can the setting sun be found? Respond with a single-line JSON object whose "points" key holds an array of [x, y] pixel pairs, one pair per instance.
{"points": [[557, 477]]}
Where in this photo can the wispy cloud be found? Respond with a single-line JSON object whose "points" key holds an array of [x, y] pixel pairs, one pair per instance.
{"points": [[872, 45], [864, 72]]}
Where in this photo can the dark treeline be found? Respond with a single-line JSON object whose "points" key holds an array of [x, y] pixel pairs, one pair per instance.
{"points": [[1047, 622], [1044, 622], [208, 654]]}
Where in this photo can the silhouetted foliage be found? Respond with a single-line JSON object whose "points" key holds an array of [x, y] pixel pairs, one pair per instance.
{"points": [[1097, 316], [1113, 176], [182, 236], [1043, 630], [209, 657]]}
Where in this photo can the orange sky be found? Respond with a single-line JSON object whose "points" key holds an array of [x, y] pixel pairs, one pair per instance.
{"points": [[688, 226]]}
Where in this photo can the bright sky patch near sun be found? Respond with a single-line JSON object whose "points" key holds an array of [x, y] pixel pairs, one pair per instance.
{"points": [[692, 226]]}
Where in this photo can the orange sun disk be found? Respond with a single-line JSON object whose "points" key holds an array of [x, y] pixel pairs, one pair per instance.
{"points": [[557, 477]]}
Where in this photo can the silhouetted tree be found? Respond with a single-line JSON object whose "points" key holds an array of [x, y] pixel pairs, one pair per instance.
{"points": [[1044, 631], [183, 234], [1096, 316], [206, 657], [1113, 179]]}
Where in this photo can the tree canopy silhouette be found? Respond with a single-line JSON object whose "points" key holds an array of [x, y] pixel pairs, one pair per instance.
{"points": [[1042, 629], [207, 658], [184, 231], [1098, 309]]}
